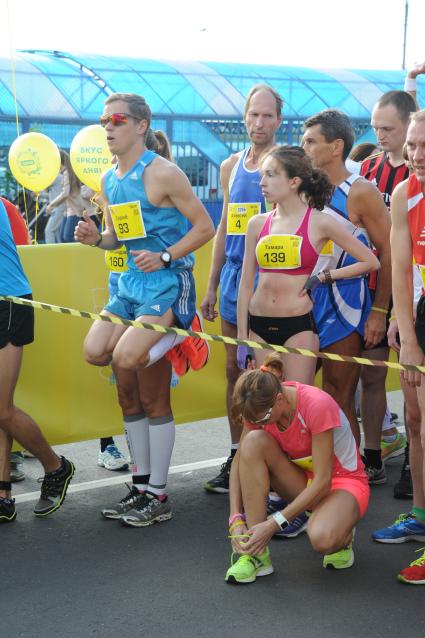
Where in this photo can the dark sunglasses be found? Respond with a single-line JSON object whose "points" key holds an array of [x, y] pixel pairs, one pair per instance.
{"points": [[116, 119]]}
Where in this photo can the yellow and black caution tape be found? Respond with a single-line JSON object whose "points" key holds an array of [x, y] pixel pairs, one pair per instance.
{"points": [[208, 337]]}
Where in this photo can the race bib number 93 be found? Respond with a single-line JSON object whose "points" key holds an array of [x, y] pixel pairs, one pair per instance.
{"points": [[128, 220]]}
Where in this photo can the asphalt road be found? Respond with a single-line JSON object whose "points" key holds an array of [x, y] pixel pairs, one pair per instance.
{"points": [[77, 575]]}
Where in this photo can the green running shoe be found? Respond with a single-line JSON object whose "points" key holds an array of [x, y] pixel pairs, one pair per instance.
{"points": [[339, 560], [247, 568]]}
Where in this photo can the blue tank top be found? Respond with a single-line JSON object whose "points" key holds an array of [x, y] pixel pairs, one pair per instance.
{"points": [[12, 277], [164, 226], [336, 257], [244, 187]]}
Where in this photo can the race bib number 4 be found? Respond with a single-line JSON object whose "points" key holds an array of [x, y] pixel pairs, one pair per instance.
{"points": [[116, 260], [128, 220], [238, 216], [282, 252]]}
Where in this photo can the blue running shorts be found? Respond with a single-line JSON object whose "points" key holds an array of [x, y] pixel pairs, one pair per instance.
{"points": [[341, 309], [229, 286], [154, 293]]}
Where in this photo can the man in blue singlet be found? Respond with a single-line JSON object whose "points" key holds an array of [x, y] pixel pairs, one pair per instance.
{"points": [[242, 198], [17, 331], [150, 201], [342, 310]]}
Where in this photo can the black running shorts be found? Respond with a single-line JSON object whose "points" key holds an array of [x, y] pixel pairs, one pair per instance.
{"points": [[16, 323]]}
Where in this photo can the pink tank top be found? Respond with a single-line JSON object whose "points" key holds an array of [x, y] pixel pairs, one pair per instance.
{"points": [[295, 253]]}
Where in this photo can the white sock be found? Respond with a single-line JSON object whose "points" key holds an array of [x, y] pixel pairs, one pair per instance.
{"points": [[386, 423], [161, 347], [137, 434], [162, 434]]}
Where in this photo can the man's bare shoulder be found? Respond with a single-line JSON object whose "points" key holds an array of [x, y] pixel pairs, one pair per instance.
{"points": [[165, 170], [228, 164], [362, 187]]}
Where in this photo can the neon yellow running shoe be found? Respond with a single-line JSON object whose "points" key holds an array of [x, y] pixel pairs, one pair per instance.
{"points": [[395, 448], [339, 560], [247, 568]]}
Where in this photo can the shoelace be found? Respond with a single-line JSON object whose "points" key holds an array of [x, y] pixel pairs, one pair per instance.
{"points": [[402, 519], [421, 560], [50, 485], [114, 451], [224, 469], [131, 497]]}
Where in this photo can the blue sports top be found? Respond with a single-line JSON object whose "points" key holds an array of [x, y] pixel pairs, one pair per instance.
{"points": [[12, 277], [164, 226], [337, 208], [244, 188]]}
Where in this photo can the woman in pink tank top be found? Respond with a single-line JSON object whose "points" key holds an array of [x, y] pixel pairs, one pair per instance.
{"points": [[296, 438], [283, 247]]}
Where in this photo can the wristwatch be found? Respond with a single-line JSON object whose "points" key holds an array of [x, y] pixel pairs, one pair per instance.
{"points": [[96, 244], [280, 520], [166, 258]]}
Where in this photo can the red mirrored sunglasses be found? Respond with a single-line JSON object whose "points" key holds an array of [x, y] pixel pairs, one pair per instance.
{"points": [[116, 119]]}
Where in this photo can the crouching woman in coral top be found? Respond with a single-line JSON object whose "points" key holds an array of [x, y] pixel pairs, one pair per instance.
{"points": [[296, 440]]}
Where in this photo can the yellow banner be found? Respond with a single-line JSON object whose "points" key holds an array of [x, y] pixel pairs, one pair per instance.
{"points": [[70, 399]]}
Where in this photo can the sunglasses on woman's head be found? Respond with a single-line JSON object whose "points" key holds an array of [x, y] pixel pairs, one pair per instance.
{"points": [[265, 418], [116, 119]]}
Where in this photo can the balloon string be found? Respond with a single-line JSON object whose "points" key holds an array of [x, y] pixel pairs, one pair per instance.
{"points": [[15, 100], [36, 218]]}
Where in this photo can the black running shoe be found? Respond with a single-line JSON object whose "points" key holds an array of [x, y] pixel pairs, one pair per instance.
{"points": [[404, 488], [220, 484], [53, 489], [7, 510]]}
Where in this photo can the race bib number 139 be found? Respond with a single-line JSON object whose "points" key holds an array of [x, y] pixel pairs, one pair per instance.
{"points": [[128, 220], [281, 252]]}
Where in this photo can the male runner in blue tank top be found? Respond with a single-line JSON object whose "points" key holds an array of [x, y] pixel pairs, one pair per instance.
{"points": [[343, 311], [150, 201], [242, 197]]}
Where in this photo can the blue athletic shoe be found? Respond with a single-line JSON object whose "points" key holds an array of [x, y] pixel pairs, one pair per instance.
{"points": [[275, 505], [405, 528], [294, 529]]}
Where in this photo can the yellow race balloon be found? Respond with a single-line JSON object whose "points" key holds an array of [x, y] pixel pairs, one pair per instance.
{"points": [[35, 161], [90, 155]]}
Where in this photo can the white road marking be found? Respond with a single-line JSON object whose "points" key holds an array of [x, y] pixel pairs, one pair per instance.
{"points": [[122, 478]]}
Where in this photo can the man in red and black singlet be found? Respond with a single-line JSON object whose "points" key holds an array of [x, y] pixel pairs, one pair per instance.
{"points": [[408, 244], [390, 120], [379, 170]]}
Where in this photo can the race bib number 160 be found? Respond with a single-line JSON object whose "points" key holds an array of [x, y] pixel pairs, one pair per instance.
{"points": [[128, 220]]}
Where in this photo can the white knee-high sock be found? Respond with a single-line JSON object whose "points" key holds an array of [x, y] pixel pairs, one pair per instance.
{"points": [[161, 347], [162, 434], [137, 434]]}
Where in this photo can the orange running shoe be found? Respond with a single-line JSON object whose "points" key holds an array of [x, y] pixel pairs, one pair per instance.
{"points": [[178, 359], [196, 349]]}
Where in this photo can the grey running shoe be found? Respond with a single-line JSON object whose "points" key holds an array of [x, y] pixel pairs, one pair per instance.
{"points": [[53, 489], [376, 475], [130, 500], [148, 512], [17, 472]]}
